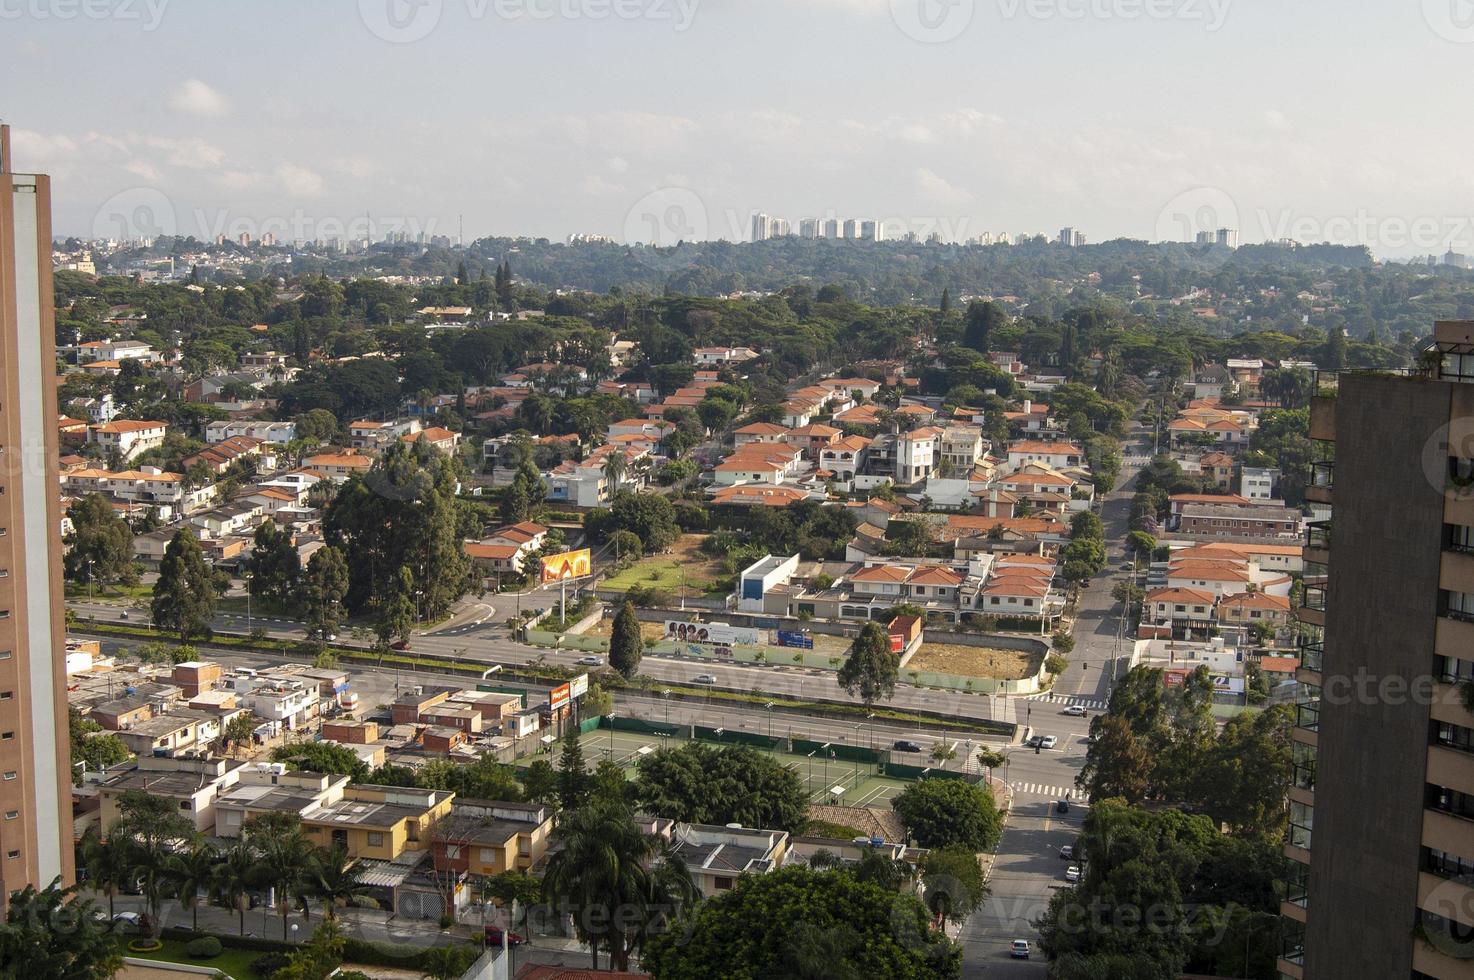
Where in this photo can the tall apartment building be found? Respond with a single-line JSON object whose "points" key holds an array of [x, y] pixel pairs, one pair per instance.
{"points": [[35, 777], [1381, 835]]}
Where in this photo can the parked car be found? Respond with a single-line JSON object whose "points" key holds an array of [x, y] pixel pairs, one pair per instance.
{"points": [[1074, 711], [1019, 949], [1067, 852], [1034, 741], [1048, 741], [494, 937], [1063, 806], [128, 923], [705, 678], [590, 661], [905, 745], [1072, 874]]}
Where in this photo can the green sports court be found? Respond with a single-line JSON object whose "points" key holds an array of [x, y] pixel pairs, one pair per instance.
{"points": [[821, 768]]}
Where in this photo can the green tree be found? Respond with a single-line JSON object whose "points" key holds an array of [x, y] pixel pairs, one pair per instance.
{"points": [[184, 595], [983, 322], [283, 857], [649, 516], [948, 812], [573, 777], [721, 784], [335, 880], [274, 565], [324, 757], [396, 619], [99, 547], [1118, 764], [235, 877], [151, 831], [193, 873], [53, 934], [106, 862], [626, 642], [324, 588], [540, 783], [92, 746], [617, 883], [871, 666], [954, 883], [807, 925]]}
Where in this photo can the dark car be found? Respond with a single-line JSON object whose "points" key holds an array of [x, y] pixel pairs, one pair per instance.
{"points": [[399, 645], [1063, 806], [905, 745], [494, 937]]}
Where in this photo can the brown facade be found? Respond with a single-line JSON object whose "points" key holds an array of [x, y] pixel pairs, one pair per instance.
{"points": [[36, 822]]}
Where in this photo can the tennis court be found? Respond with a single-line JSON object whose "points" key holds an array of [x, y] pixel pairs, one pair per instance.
{"points": [[820, 774]]}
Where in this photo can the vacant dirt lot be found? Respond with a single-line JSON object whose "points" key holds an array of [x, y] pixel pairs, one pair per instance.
{"points": [[954, 658], [685, 563]]}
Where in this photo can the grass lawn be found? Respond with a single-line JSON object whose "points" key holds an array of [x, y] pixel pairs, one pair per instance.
{"points": [[114, 593], [233, 962], [666, 571]]}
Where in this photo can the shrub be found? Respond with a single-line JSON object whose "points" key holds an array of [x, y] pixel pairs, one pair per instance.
{"points": [[266, 966], [203, 948]]}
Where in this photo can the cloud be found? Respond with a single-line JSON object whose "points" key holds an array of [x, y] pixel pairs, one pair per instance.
{"points": [[191, 153], [1276, 120], [939, 189], [299, 181], [195, 98]]}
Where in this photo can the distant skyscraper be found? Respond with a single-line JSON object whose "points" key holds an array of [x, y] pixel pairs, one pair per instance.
{"points": [[810, 228], [761, 227], [1227, 237], [871, 231], [833, 228], [1071, 237], [35, 768], [851, 228]]}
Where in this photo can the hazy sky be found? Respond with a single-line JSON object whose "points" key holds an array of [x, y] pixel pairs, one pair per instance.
{"points": [[1338, 120]]}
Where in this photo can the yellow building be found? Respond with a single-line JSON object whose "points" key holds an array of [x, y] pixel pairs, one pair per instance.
{"points": [[378, 822], [484, 837]]}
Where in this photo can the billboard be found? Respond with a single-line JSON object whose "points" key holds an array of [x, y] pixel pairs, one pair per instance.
{"points": [[714, 633], [1224, 684], [567, 565], [578, 686], [558, 697]]}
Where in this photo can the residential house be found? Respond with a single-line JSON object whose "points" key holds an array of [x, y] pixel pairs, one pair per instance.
{"points": [[1058, 455], [716, 857], [436, 437], [1219, 467], [192, 785], [275, 433], [490, 837], [813, 439], [339, 466], [128, 437], [723, 355], [760, 432], [844, 458]]}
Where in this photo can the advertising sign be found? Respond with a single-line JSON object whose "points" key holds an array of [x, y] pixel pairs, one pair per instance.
{"points": [[578, 686], [1223, 684], [801, 641], [898, 643], [714, 633], [568, 565], [558, 697]]}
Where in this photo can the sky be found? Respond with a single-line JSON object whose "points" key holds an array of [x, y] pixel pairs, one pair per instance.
{"points": [[656, 120]]}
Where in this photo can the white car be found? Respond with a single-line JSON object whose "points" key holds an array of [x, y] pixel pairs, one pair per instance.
{"points": [[705, 678], [1067, 852], [1049, 741], [1074, 711], [1072, 874], [590, 661], [1019, 949]]}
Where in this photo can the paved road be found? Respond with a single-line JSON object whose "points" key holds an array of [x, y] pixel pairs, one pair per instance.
{"points": [[1027, 867]]}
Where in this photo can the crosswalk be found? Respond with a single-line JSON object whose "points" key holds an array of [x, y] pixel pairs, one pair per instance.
{"points": [[1094, 704], [1040, 789]]}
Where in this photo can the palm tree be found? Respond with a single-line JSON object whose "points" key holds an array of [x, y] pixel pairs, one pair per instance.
{"points": [[283, 859], [235, 876], [614, 468], [150, 834], [106, 864], [606, 864], [334, 878], [193, 872]]}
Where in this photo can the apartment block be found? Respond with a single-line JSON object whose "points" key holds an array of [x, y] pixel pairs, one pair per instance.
{"points": [[1382, 798], [35, 776]]}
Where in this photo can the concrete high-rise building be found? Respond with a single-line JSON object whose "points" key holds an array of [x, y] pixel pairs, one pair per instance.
{"points": [[811, 228], [1227, 237], [851, 228], [833, 228], [35, 773], [1381, 835], [1071, 237], [871, 231]]}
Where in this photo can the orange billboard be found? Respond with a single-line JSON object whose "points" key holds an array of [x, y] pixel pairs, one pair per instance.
{"points": [[567, 565]]}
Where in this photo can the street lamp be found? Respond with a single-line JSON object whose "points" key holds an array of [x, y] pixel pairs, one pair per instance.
{"points": [[248, 602], [770, 727]]}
